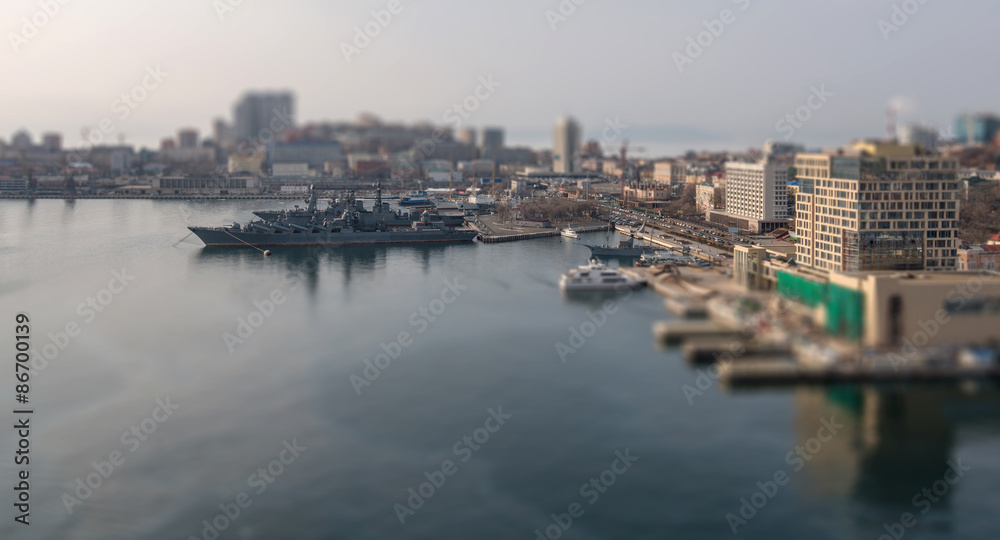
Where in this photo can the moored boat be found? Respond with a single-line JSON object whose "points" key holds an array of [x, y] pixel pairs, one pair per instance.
{"points": [[595, 276]]}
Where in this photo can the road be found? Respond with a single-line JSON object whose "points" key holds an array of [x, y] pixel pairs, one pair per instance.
{"points": [[699, 234]]}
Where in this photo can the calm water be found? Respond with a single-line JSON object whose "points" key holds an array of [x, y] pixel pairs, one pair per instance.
{"points": [[490, 346]]}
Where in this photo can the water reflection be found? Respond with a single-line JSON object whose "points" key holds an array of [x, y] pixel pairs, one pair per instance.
{"points": [[69, 207], [596, 299], [896, 442], [305, 261]]}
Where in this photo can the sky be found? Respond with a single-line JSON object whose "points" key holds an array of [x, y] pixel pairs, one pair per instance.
{"points": [[630, 63]]}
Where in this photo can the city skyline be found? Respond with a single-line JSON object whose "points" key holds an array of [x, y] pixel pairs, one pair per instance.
{"points": [[640, 78]]}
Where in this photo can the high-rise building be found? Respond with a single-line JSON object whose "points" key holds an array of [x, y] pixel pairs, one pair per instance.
{"points": [[222, 133], [493, 139], [976, 128], [757, 190], [188, 138], [467, 135], [669, 172], [21, 140], [260, 117], [52, 142], [566, 144], [926, 136], [756, 196], [880, 206]]}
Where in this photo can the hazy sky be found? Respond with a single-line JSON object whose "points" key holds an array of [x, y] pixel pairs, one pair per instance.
{"points": [[607, 59]]}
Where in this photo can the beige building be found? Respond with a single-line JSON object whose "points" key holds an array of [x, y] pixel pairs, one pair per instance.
{"points": [[669, 172], [955, 308], [206, 185], [880, 206], [646, 193], [248, 164], [611, 168], [291, 169], [695, 177], [892, 309], [709, 197], [985, 257], [756, 267]]}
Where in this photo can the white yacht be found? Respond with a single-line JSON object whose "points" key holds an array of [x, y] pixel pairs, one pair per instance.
{"points": [[595, 276], [569, 233]]}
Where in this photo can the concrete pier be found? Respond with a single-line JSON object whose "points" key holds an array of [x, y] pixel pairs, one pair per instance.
{"points": [[675, 333], [777, 373], [698, 352]]}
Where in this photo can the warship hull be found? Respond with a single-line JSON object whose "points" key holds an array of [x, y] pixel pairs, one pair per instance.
{"points": [[219, 236]]}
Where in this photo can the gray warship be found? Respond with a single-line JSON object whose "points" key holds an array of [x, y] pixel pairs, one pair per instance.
{"points": [[346, 221], [336, 208], [625, 248]]}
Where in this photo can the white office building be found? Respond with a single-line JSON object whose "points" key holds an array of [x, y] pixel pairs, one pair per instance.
{"points": [[756, 196]]}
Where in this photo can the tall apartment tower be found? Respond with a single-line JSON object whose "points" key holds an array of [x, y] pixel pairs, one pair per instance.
{"points": [[566, 144], [881, 206], [260, 115], [188, 138], [467, 135], [493, 139]]}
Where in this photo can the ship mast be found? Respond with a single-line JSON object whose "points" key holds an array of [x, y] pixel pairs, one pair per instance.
{"points": [[312, 199]]}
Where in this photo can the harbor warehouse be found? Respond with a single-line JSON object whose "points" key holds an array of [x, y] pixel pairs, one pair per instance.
{"points": [[889, 309]]}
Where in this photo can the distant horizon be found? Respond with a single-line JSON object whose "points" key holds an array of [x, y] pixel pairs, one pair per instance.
{"points": [[669, 65], [645, 141]]}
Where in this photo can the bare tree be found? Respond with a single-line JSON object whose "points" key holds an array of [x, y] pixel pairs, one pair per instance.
{"points": [[979, 217]]}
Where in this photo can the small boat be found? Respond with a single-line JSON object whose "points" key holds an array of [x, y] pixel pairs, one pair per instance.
{"points": [[569, 233], [415, 199], [595, 276]]}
